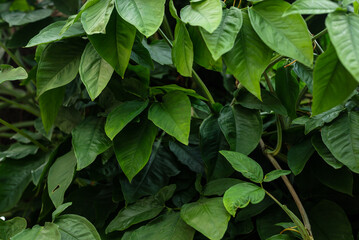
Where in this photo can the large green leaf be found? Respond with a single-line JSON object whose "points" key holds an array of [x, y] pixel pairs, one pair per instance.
{"points": [[49, 231], [182, 51], [59, 65], [50, 103], [311, 7], [74, 227], [95, 72], [242, 127], [206, 14], [245, 165], [219, 186], [173, 115], [146, 16], [240, 195], [342, 139], [89, 140], [343, 30], [289, 36], [133, 146], [95, 18], [324, 152], [122, 115], [116, 45], [329, 222], [223, 38], [208, 216], [299, 154], [143, 210], [15, 176], [248, 58], [169, 226], [160, 51], [60, 177], [9, 73], [21, 18], [333, 84], [188, 155], [51, 33], [12, 227]]}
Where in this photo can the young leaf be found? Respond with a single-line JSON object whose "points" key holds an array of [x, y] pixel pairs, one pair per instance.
{"points": [[298, 155], [311, 7], [133, 146], [60, 209], [95, 72], [9, 73], [343, 30], [248, 58], [206, 14], [240, 195], [49, 231], [279, 34], [146, 16], [173, 115], [182, 51], [333, 84], [89, 140], [223, 38], [245, 165], [60, 177], [122, 115], [116, 45], [275, 174], [95, 18], [207, 212]]}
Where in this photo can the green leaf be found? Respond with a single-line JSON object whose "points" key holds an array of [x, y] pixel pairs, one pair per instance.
{"points": [[245, 165], [67, 6], [305, 74], [146, 16], [115, 46], [15, 176], [298, 155], [59, 65], [133, 146], [143, 210], [206, 14], [219, 186], [174, 87], [222, 39], [89, 140], [240, 195], [19, 151], [311, 7], [60, 210], [51, 33], [275, 174], [122, 115], [160, 51], [343, 30], [280, 237], [329, 222], [182, 51], [242, 128], [49, 231], [279, 34], [173, 115], [21, 18], [140, 54], [169, 226], [60, 177], [269, 102], [9, 73], [12, 227], [188, 155], [324, 152], [74, 227], [95, 18], [95, 72], [50, 103], [333, 84], [248, 58], [208, 216], [342, 139], [284, 81]]}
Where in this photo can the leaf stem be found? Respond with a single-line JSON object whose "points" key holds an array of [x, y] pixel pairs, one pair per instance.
{"points": [[323, 32], [19, 124], [21, 106], [11, 55], [15, 129]]}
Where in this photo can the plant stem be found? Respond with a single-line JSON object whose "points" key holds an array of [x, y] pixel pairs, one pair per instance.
{"points": [[15, 129], [290, 188], [6, 135], [12, 56], [167, 27], [19, 124], [323, 32], [21, 106]]}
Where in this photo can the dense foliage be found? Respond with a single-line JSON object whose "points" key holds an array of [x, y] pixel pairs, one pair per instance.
{"points": [[177, 119]]}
